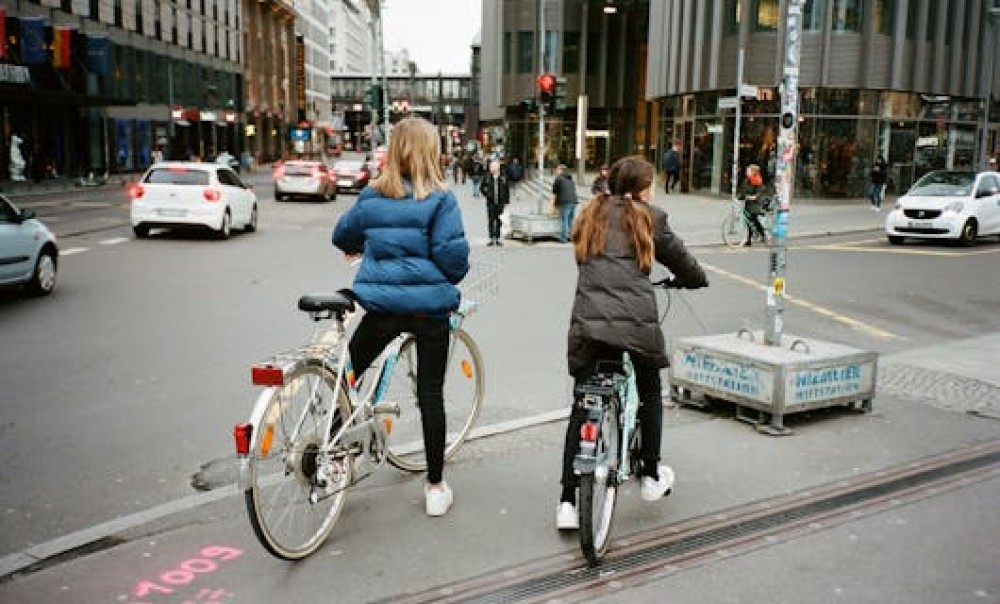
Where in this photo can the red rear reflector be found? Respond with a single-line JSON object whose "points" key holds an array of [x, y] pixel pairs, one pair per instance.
{"points": [[588, 432], [136, 191], [267, 375], [241, 434], [212, 195]]}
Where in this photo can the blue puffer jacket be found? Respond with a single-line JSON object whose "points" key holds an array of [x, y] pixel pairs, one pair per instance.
{"points": [[415, 252]]}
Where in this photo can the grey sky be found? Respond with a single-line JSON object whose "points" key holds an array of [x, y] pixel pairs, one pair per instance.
{"points": [[437, 33]]}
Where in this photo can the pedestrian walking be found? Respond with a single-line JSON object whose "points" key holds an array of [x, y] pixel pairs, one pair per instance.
{"points": [[615, 242], [672, 166], [876, 185], [564, 193], [752, 194], [496, 190], [600, 184], [407, 227], [476, 170]]}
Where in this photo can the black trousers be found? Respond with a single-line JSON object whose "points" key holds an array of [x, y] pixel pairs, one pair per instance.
{"points": [[755, 225], [370, 339], [647, 381], [493, 212]]}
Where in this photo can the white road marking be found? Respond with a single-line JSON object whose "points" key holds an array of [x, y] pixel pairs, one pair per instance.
{"points": [[74, 250], [113, 241]]}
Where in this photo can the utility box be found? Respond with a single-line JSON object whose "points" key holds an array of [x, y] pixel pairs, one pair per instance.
{"points": [[534, 226], [799, 375]]}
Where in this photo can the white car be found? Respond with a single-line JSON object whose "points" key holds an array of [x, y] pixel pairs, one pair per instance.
{"points": [[192, 195], [952, 205], [29, 255]]}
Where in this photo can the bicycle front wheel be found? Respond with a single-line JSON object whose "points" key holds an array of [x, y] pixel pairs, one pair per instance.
{"points": [[599, 491], [296, 490], [734, 230], [463, 399]]}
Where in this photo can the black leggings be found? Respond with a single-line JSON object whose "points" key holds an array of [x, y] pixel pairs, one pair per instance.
{"points": [[756, 225], [493, 212], [370, 339], [647, 380]]}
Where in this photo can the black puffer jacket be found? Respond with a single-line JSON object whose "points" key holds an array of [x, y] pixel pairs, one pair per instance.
{"points": [[615, 303]]}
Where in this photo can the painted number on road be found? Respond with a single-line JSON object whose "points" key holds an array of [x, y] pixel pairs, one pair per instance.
{"points": [[187, 571]]}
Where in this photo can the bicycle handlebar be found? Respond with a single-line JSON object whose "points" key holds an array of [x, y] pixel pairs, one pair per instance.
{"points": [[667, 283]]}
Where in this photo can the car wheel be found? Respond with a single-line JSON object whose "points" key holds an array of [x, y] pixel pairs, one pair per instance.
{"points": [[141, 231], [251, 225], [895, 240], [278, 196], [969, 233], [43, 281], [333, 196], [226, 228]]}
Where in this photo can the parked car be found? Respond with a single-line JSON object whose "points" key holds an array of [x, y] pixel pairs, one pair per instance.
{"points": [[351, 175], [29, 255], [304, 178], [192, 195], [947, 204]]}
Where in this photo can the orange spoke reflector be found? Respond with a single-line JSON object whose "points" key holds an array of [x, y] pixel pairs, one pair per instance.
{"points": [[466, 368], [387, 422], [267, 440]]}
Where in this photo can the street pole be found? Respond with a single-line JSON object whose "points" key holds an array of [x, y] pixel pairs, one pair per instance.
{"points": [[385, 81], [785, 170], [581, 101], [739, 121], [541, 106]]}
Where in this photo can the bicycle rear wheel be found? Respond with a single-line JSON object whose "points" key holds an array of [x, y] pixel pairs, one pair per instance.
{"points": [[292, 507], [734, 230], [599, 490], [463, 399]]}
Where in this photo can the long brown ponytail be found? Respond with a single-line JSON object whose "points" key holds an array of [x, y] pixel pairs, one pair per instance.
{"points": [[629, 177]]}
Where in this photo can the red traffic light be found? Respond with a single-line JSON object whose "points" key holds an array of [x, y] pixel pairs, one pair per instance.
{"points": [[547, 83]]}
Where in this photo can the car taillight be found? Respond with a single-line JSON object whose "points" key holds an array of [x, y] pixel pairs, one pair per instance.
{"points": [[212, 194], [279, 171], [316, 172], [362, 174], [136, 191]]}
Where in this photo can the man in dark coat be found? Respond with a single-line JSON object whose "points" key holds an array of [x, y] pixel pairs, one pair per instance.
{"points": [[564, 191], [672, 166], [497, 193]]}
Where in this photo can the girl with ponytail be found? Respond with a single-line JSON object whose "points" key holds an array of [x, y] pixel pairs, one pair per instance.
{"points": [[616, 239]]}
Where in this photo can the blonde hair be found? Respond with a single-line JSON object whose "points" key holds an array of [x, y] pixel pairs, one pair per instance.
{"points": [[629, 177], [413, 155]]}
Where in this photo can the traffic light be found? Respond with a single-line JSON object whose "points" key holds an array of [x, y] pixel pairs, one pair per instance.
{"points": [[546, 89], [373, 98], [559, 95]]}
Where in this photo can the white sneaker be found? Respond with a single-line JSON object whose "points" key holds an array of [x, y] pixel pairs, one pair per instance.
{"points": [[567, 518], [653, 490], [438, 500]]}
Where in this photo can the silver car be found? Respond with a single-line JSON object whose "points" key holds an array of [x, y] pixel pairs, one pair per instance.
{"points": [[28, 251], [301, 178]]}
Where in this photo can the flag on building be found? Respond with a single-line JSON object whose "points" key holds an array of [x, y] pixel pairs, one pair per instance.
{"points": [[99, 55], [33, 41], [62, 43]]}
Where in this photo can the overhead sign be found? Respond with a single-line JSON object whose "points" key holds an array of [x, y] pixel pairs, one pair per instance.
{"points": [[748, 90]]}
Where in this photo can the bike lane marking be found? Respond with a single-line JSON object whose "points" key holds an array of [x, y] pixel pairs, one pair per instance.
{"points": [[868, 245], [820, 310]]}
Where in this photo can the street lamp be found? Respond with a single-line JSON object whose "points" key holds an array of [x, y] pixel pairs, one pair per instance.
{"points": [[992, 23]]}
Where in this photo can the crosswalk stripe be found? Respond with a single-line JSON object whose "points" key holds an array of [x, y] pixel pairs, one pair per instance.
{"points": [[73, 250]]}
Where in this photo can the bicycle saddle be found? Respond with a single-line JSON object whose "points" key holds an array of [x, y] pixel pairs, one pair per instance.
{"points": [[338, 302]]}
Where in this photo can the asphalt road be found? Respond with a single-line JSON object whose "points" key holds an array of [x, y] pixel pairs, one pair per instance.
{"points": [[123, 386]]}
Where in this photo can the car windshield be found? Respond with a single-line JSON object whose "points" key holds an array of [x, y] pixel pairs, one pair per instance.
{"points": [[944, 184], [299, 169], [177, 176], [348, 166]]}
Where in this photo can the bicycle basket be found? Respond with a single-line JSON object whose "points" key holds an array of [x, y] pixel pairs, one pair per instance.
{"points": [[481, 283]]}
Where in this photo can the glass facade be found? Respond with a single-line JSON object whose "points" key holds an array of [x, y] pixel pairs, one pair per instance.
{"points": [[841, 132]]}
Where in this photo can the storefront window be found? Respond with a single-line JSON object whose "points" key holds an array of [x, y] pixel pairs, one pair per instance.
{"points": [[847, 15], [571, 52], [838, 101], [506, 52], [766, 15]]}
